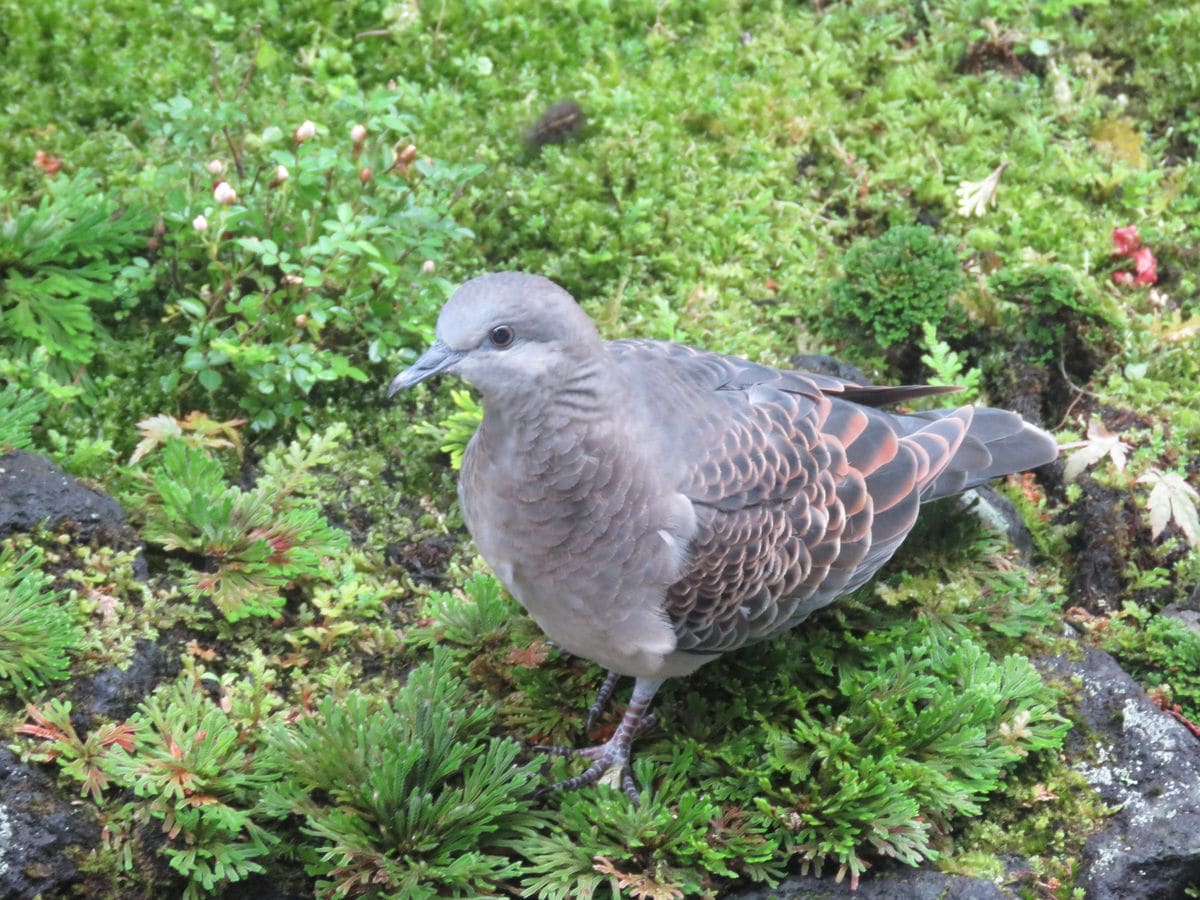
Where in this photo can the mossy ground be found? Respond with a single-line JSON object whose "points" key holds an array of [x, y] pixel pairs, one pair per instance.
{"points": [[731, 157]]}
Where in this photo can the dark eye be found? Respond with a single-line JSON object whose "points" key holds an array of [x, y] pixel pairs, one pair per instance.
{"points": [[501, 336]]}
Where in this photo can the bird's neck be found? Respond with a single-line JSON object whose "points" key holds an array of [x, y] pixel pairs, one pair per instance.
{"points": [[574, 400]]}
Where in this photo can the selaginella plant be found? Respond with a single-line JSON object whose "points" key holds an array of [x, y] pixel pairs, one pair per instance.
{"points": [[867, 745], [257, 541], [192, 768], [403, 797], [62, 261], [870, 735], [78, 757], [19, 413], [36, 629], [895, 283]]}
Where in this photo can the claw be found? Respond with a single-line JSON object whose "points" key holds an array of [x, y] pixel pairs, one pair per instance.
{"points": [[606, 692], [613, 753]]}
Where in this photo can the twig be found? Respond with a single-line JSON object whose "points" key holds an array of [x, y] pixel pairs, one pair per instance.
{"points": [[373, 32], [214, 75]]}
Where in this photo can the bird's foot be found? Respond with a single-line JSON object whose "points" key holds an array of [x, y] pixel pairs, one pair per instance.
{"points": [[613, 753]]}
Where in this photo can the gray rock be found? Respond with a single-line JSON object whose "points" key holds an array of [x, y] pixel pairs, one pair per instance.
{"points": [[889, 884], [1144, 762], [116, 691], [1000, 513], [39, 829], [1188, 617], [35, 492]]}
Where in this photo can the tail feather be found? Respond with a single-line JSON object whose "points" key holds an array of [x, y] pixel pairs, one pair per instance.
{"points": [[997, 443]]}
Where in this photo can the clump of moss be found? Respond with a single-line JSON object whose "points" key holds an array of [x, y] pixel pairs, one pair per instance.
{"points": [[1046, 307], [1160, 652], [895, 283]]}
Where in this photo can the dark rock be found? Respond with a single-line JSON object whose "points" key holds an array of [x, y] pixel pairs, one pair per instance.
{"points": [[35, 492], [1144, 762], [116, 692], [1107, 523], [268, 887], [889, 884], [827, 365], [41, 833]]}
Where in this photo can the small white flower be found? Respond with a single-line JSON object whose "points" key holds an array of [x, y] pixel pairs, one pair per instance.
{"points": [[224, 194], [200, 223], [428, 266], [216, 167], [305, 131], [974, 197], [358, 133]]}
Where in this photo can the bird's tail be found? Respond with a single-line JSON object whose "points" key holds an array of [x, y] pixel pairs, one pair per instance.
{"points": [[996, 442]]}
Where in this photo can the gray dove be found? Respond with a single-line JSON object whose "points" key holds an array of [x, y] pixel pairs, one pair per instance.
{"points": [[653, 506]]}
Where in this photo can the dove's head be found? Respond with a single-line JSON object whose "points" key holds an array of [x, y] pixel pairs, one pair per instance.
{"points": [[506, 333]]}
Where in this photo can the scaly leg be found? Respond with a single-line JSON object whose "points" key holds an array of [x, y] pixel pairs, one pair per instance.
{"points": [[606, 692], [615, 751]]}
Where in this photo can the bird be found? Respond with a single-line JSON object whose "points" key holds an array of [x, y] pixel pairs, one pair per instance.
{"points": [[654, 506]]}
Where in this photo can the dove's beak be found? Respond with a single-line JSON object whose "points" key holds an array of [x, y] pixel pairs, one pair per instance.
{"points": [[437, 359]]}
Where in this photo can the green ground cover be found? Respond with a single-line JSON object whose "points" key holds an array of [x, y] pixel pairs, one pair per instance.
{"points": [[929, 193]]}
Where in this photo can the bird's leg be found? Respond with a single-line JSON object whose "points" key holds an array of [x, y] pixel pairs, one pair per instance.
{"points": [[606, 691], [614, 752]]}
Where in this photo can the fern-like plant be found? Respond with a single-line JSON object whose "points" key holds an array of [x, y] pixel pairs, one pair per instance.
{"points": [[36, 632], [454, 432], [259, 541], [78, 757], [404, 798], [192, 769], [19, 413], [59, 261]]}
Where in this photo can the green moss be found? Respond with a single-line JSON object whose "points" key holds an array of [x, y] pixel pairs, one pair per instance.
{"points": [[896, 283], [706, 201], [1045, 306]]}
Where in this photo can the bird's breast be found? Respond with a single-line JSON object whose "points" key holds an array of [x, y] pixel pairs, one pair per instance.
{"points": [[582, 542]]}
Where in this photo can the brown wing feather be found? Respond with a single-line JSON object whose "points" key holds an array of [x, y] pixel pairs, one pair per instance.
{"points": [[803, 489]]}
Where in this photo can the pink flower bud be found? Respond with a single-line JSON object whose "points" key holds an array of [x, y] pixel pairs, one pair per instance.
{"points": [[305, 131], [200, 223], [428, 266], [281, 175], [364, 174], [215, 167], [1145, 266], [224, 194], [358, 133], [1125, 240]]}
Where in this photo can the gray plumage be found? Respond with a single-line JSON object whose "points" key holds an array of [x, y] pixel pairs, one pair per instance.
{"points": [[653, 505]]}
